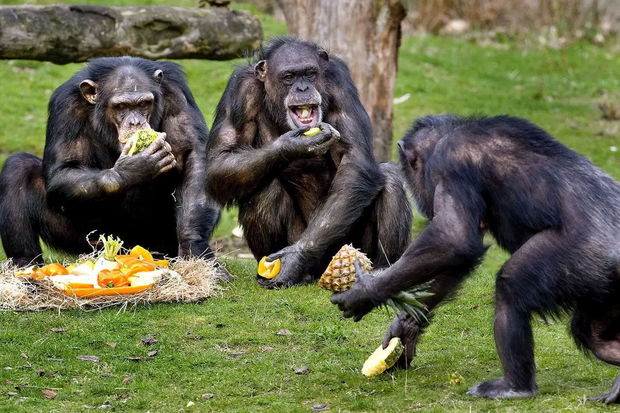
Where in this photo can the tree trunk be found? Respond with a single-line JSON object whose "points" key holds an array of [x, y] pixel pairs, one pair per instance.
{"points": [[64, 33], [366, 34]]}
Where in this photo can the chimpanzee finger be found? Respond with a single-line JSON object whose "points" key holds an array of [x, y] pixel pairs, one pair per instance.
{"points": [[327, 127], [360, 272], [393, 331], [322, 148], [320, 138], [126, 148], [277, 255], [154, 147], [336, 299], [167, 167], [302, 130], [168, 160], [167, 147]]}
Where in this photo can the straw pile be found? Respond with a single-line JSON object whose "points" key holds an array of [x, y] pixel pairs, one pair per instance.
{"points": [[191, 280]]}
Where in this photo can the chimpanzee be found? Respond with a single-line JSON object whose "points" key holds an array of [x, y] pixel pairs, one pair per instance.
{"points": [[552, 209], [87, 182], [301, 197]]}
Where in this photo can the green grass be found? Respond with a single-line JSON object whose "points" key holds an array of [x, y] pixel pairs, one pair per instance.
{"points": [[227, 346]]}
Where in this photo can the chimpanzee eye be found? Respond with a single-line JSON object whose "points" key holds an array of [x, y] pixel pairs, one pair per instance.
{"points": [[145, 104], [120, 106], [311, 75], [288, 78]]}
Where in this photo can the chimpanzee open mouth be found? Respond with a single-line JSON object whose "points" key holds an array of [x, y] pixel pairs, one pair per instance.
{"points": [[305, 115]]}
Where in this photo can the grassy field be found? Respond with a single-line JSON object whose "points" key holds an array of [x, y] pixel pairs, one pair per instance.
{"points": [[228, 347]]}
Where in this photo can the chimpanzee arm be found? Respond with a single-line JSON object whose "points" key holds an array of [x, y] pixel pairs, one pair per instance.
{"points": [[70, 180], [452, 242], [356, 184]]}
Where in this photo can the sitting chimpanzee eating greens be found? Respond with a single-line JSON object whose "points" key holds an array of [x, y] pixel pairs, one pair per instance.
{"points": [[87, 180], [302, 197], [552, 209]]}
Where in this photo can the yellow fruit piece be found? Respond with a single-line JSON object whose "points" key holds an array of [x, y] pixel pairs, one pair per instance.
{"points": [[340, 273], [268, 269], [382, 359], [312, 131], [141, 253]]}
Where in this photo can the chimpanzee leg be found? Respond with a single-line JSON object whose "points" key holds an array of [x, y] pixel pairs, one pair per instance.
{"points": [[389, 227], [598, 329], [24, 215], [22, 195], [532, 280], [269, 221]]}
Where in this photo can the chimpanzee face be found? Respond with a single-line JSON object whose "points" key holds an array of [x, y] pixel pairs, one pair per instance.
{"points": [[293, 79], [127, 99]]}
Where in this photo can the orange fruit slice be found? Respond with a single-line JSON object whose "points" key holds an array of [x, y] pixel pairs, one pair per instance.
{"points": [[141, 253], [54, 269], [96, 292], [78, 285]]}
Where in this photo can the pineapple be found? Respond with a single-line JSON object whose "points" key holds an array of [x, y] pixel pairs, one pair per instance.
{"points": [[340, 276], [340, 273], [383, 358]]}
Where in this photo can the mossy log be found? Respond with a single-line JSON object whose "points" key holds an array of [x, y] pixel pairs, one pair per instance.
{"points": [[75, 33]]}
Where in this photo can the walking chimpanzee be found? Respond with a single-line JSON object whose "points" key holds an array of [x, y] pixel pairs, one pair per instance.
{"points": [[301, 197], [86, 181], [552, 209]]}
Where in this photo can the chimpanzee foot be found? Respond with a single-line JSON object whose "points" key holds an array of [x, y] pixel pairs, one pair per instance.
{"points": [[500, 389], [612, 397], [409, 331]]}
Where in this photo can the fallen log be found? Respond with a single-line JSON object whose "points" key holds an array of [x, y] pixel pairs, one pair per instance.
{"points": [[75, 33]]}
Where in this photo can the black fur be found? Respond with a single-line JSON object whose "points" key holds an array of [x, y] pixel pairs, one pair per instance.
{"points": [[551, 208]]}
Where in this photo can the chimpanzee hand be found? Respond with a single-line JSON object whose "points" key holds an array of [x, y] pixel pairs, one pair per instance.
{"points": [[293, 262], [146, 165], [294, 144], [408, 330], [361, 298]]}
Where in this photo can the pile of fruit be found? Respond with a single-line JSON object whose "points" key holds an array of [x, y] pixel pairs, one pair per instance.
{"points": [[110, 274]]}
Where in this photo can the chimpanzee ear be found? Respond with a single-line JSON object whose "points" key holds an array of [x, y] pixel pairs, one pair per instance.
{"points": [[260, 70], [323, 55], [89, 90], [158, 75]]}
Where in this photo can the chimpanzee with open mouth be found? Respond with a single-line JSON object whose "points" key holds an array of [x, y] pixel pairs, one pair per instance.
{"points": [[302, 197]]}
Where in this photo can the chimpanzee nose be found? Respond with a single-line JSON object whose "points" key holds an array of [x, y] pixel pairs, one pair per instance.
{"points": [[302, 88], [135, 121]]}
